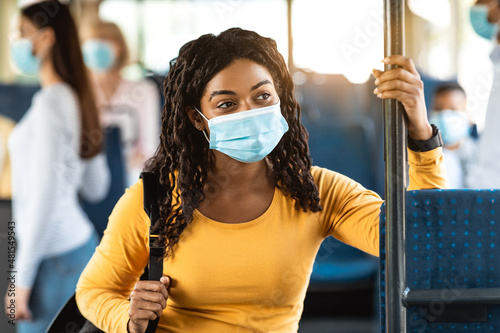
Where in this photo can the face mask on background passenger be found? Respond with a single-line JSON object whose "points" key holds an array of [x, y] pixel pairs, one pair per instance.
{"points": [[454, 125], [24, 60], [247, 136], [98, 55], [479, 21]]}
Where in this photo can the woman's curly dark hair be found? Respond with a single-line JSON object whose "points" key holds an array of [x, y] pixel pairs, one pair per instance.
{"points": [[182, 161]]}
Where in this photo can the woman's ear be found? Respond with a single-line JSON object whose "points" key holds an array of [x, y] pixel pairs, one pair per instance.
{"points": [[195, 118], [45, 42]]}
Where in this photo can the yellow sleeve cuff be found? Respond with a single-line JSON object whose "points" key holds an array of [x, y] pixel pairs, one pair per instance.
{"points": [[427, 170], [425, 157]]}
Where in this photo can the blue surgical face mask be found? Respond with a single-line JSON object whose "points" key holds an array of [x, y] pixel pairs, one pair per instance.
{"points": [[247, 136], [25, 61], [479, 21], [454, 125], [98, 55]]}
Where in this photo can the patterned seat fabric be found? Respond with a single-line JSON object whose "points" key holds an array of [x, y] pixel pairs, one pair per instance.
{"points": [[452, 242]]}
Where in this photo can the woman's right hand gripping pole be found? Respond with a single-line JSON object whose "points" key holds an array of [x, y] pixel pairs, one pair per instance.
{"points": [[147, 301]]}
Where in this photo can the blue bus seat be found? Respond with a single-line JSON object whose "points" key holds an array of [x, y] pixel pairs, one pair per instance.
{"points": [[452, 248], [99, 212], [344, 146], [339, 266], [15, 99]]}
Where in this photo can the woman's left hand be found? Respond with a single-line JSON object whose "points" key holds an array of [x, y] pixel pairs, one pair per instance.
{"points": [[21, 301], [404, 84]]}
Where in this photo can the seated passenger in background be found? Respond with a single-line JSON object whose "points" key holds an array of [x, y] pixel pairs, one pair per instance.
{"points": [[450, 115], [132, 106]]}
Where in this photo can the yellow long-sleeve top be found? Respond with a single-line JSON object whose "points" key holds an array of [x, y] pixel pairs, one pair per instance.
{"points": [[246, 277]]}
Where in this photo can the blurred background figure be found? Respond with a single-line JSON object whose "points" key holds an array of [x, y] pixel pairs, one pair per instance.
{"points": [[457, 129], [55, 152], [485, 19], [484, 16], [132, 106]]}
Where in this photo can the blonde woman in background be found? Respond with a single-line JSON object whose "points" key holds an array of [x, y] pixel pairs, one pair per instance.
{"points": [[131, 106]]}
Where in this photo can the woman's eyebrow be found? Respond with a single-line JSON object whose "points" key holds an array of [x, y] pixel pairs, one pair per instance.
{"points": [[261, 83], [221, 92], [230, 92]]}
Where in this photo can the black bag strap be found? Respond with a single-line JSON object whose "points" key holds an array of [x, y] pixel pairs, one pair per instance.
{"points": [[71, 315], [155, 271]]}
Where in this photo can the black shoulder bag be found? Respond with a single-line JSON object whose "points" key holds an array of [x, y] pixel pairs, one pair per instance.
{"points": [[70, 320]]}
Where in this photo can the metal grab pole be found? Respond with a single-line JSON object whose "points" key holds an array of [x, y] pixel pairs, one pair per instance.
{"points": [[291, 67], [395, 177]]}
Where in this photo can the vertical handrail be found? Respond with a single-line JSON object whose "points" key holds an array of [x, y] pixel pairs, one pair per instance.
{"points": [[395, 176], [289, 5]]}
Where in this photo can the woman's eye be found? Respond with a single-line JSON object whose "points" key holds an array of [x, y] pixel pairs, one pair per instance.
{"points": [[225, 105], [264, 96]]}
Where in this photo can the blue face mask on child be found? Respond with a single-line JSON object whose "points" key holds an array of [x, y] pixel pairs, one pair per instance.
{"points": [[98, 55], [247, 136], [479, 21], [454, 125], [22, 55]]}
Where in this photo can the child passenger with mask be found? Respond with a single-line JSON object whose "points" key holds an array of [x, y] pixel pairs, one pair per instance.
{"points": [[457, 130]]}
